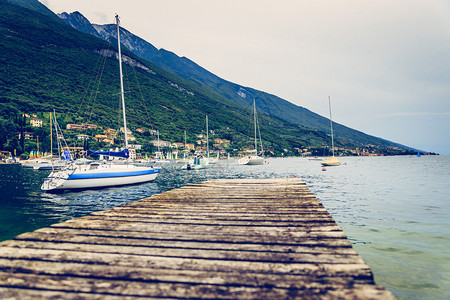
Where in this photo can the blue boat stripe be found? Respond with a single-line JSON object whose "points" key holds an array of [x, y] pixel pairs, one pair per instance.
{"points": [[112, 174]]}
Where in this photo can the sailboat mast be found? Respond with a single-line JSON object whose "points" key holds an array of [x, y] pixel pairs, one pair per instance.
{"points": [[207, 137], [254, 119], [51, 137], [121, 83], [58, 140], [331, 126], [159, 150]]}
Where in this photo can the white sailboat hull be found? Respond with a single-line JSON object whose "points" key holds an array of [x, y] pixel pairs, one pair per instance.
{"points": [[331, 161], [251, 160], [103, 176], [213, 161]]}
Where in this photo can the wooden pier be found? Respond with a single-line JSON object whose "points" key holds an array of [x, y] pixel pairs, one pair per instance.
{"points": [[220, 239]]}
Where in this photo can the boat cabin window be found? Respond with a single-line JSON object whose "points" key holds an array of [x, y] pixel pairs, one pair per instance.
{"points": [[94, 166]]}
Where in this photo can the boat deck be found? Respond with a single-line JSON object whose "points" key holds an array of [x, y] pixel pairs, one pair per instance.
{"points": [[221, 239]]}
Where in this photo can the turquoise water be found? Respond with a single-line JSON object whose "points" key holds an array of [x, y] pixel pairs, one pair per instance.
{"points": [[394, 210]]}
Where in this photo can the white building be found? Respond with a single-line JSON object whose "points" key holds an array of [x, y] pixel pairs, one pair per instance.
{"points": [[36, 122]]}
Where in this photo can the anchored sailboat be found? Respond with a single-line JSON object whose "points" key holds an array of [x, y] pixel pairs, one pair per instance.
{"points": [[199, 162], [331, 161], [253, 158], [98, 174], [210, 160]]}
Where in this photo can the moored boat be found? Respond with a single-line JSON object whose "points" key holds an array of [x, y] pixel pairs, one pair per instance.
{"points": [[96, 174], [253, 158], [331, 161], [197, 163]]}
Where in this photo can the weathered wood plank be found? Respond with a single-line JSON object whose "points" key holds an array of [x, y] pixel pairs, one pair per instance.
{"points": [[169, 289], [309, 221], [197, 237], [76, 237], [217, 215], [92, 254], [197, 253], [274, 233], [32, 294], [262, 239], [269, 213], [252, 278], [183, 291]]}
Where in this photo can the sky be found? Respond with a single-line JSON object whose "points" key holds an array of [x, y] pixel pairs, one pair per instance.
{"points": [[385, 63]]}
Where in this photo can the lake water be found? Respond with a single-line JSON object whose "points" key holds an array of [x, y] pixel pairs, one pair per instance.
{"points": [[394, 210]]}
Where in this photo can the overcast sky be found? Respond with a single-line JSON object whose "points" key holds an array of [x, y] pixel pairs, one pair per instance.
{"points": [[385, 63]]}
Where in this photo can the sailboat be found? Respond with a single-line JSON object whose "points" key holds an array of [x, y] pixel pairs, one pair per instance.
{"points": [[97, 174], [185, 158], [331, 161], [210, 160], [214, 160], [253, 158], [47, 161], [199, 162]]}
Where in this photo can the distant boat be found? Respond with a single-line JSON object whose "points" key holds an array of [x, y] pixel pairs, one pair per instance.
{"points": [[209, 160], [331, 161], [97, 174], [42, 163], [185, 158], [46, 162], [253, 158], [214, 160], [315, 158], [199, 162]]}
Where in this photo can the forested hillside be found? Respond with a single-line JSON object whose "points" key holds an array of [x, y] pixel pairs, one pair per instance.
{"points": [[47, 65]]}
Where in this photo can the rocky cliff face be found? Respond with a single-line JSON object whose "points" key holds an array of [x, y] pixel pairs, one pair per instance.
{"points": [[108, 32], [134, 43], [78, 21]]}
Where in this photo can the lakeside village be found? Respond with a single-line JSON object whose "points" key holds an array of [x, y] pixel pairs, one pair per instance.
{"points": [[144, 143]]}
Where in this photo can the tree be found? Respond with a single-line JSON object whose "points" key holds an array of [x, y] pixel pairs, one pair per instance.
{"points": [[12, 145]]}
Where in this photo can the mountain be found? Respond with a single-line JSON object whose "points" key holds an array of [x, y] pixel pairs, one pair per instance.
{"points": [[46, 65], [78, 21], [268, 104]]}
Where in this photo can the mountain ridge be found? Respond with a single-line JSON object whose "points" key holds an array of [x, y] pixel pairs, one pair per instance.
{"points": [[78, 21], [50, 64], [266, 103]]}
